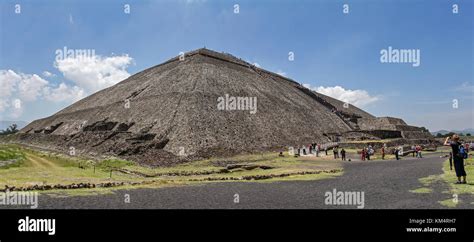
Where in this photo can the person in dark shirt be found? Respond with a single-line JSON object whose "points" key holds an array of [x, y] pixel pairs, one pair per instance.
{"points": [[458, 161], [451, 161], [343, 154]]}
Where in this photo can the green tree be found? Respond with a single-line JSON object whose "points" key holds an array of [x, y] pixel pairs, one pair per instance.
{"points": [[10, 130], [450, 134]]}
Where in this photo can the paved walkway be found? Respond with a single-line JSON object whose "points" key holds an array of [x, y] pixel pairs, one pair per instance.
{"points": [[386, 184]]}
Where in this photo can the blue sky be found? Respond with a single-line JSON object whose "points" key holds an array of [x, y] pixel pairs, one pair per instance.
{"points": [[331, 49]]}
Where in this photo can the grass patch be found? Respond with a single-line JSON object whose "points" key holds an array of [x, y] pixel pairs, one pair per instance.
{"points": [[41, 168], [429, 180], [10, 152], [11, 156], [111, 164], [448, 203], [47, 168], [450, 178], [422, 190]]}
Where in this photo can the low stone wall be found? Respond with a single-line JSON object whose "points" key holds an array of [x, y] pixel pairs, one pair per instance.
{"points": [[385, 134], [391, 143], [72, 186], [416, 135], [263, 177]]}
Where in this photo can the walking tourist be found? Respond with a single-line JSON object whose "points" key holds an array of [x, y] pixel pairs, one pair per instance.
{"points": [[459, 154]]}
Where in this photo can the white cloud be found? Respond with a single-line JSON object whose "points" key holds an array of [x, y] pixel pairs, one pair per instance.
{"points": [[281, 73], [30, 86], [89, 75], [8, 82], [359, 98], [26, 86], [64, 93], [17, 108], [96, 72], [3, 105], [19, 88], [48, 74]]}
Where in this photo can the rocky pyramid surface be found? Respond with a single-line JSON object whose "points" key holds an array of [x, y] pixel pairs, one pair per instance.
{"points": [[170, 113]]}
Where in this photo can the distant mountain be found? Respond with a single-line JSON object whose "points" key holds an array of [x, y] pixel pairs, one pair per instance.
{"points": [[5, 124], [464, 131]]}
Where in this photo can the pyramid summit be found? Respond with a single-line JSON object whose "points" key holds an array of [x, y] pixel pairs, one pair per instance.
{"points": [[205, 104]]}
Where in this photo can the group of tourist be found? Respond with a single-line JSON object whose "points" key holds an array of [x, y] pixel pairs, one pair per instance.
{"points": [[336, 152], [367, 152], [456, 157], [316, 149], [416, 151]]}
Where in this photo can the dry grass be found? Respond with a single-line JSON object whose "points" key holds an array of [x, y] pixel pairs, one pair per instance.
{"points": [[41, 168]]}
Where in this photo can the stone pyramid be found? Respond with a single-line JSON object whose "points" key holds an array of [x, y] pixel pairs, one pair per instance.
{"points": [[182, 110]]}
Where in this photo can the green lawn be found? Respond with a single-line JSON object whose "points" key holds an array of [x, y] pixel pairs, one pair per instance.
{"points": [[449, 177], [45, 168], [422, 190], [39, 168]]}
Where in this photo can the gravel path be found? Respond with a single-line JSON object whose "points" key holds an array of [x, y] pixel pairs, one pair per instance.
{"points": [[386, 184]]}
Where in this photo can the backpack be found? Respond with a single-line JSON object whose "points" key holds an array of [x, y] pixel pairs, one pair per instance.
{"points": [[462, 152]]}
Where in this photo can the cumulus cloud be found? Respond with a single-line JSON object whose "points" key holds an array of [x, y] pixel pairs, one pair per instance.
{"points": [[88, 74], [30, 86], [48, 74], [26, 87], [359, 98], [17, 108], [64, 93], [19, 88], [8, 82], [94, 73]]}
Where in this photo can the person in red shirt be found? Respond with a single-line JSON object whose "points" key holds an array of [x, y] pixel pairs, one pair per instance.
{"points": [[418, 152]]}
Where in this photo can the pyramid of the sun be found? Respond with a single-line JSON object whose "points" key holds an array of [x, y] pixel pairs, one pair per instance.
{"points": [[171, 112]]}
